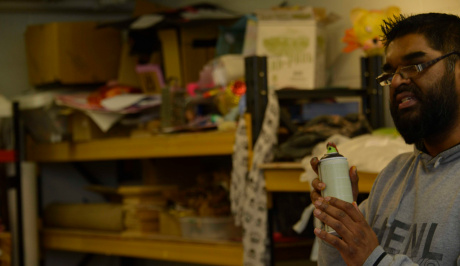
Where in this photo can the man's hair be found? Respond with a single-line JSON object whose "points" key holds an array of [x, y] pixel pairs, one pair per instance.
{"points": [[442, 31]]}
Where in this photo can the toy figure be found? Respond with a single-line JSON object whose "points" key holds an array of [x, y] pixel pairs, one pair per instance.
{"points": [[366, 30]]}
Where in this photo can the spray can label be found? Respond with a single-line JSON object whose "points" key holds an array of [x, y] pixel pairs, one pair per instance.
{"points": [[333, 170]]}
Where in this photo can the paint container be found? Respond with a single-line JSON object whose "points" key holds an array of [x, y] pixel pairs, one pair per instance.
{"points": [[334, 172]]}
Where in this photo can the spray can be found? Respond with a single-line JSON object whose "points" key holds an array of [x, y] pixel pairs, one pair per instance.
{"points": [[334, 172]]}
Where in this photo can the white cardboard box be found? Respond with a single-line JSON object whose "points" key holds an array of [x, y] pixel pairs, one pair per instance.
{"points": [[295, 50]]}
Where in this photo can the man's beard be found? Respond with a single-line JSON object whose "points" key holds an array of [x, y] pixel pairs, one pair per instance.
{"points": [[435, 111]]}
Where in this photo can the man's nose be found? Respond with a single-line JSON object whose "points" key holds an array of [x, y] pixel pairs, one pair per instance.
{"points": [[398, 80]]}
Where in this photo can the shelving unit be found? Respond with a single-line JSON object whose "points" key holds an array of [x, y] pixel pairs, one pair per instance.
{"points": [[146, 246]]}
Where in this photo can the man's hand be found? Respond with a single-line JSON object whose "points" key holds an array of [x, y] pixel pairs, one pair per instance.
{"points": [[358, 239]]}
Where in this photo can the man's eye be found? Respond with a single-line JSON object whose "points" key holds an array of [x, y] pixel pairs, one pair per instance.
{"points": [[409, 70]]}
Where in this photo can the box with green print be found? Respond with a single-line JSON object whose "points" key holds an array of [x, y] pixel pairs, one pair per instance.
{"points": [[294, 42]]}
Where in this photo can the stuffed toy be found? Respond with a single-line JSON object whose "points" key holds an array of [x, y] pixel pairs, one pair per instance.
{"points": [[366, 32]]}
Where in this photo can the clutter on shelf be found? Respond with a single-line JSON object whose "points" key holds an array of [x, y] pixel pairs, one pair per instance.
{"points": [[158, 53], [202, 211]]}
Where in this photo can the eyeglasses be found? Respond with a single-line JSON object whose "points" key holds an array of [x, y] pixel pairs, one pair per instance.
{"points": [[409, 71]]}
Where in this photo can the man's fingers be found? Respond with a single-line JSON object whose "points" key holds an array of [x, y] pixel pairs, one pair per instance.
{"points": [[342, 208], [314, 196], [354, 182], [331, 239], [338, 215], [335, 224], [317, 186], [314, 164], [333, 216]]}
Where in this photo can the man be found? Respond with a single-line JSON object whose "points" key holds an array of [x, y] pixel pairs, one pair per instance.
{"points": [[412, 215]]}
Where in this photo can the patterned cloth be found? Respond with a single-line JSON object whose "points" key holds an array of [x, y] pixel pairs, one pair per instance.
{"points": [[248, 193]]}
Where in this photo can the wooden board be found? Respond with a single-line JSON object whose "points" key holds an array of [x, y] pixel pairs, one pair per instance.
{"points": [[285, 177], [159, 247], [159, 146], [5, 248]]}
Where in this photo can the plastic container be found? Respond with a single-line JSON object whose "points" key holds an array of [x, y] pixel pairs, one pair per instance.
{"points": [[312, 110], [218, 228], [43, 119]]}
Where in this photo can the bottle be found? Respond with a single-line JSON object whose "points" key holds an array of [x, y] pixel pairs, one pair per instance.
{"points": [[334, 172]]}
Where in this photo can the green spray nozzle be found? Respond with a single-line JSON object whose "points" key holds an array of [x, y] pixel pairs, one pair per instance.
{"points": [[331, 148]]}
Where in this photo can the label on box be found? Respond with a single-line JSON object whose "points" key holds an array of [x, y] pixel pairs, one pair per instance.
{"points": [[295, 50]]}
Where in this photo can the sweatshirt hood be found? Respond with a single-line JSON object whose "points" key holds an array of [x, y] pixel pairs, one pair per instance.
{"points": [[430, 163], [444, 157]]}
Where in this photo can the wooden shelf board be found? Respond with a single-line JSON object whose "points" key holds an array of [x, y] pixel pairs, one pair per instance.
{"points": [[167, 145], [285, 177], [148, 247]]}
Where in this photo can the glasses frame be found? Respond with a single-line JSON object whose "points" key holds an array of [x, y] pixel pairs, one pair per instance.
{"points": [[386, 78]]}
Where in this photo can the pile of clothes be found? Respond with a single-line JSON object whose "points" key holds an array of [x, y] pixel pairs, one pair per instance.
{"points": [[302, 142]]}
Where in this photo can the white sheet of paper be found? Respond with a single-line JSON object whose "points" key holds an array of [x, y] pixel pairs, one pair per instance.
{"points": [[122, 101], [146, 21], [104, 120]]}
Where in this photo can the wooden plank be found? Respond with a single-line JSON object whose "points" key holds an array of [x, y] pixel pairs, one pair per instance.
{"points": [[159, 146], [285, 177], [151, 247], [5, 248]]}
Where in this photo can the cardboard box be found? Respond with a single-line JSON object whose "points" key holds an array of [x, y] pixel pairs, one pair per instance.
{"points": [[195, 43], [72, 53], [83, 128], [171, 55], [127, 68], [294, 43]]}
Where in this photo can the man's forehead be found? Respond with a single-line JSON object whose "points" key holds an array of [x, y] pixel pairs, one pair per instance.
{"points": [[408, 47], [407, 44]]}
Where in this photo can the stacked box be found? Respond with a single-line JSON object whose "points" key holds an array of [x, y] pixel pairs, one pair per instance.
{"points": [[295, 45], [142, 207], [72, 53], [187, 48]]}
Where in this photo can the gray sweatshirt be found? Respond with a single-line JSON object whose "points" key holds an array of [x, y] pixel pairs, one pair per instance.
{"points": [[414, 208]]}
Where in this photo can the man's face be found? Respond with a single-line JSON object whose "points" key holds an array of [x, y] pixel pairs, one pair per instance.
{"points": [[427, 104]]}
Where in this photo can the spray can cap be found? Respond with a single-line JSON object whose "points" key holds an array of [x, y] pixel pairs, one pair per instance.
{"points": [[331, 148], [332, 151]]}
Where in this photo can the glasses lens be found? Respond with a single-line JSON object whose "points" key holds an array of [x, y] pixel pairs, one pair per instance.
{"points": [[385, 79], [408, 72]]}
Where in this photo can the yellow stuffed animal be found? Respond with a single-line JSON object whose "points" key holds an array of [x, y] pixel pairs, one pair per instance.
{"points": [[366, 30]]}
